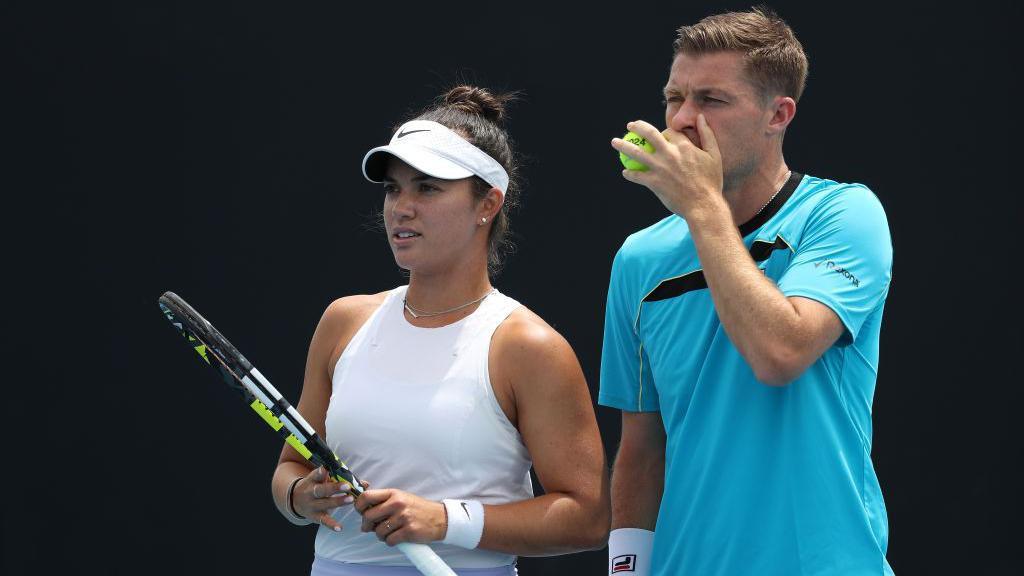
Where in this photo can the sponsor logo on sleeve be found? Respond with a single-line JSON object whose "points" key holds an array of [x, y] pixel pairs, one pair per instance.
{"points": [[830, 265]]}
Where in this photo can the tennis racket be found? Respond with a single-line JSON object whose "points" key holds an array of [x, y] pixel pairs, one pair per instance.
{"points": [[265, 400]]}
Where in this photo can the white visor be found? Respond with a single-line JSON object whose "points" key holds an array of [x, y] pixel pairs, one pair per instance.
{"points": [[436, 151]]}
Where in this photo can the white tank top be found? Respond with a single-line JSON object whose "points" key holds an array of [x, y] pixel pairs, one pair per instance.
{"points": [[413, 408]]}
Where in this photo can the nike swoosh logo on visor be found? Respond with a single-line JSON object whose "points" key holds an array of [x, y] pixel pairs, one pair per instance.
{"points": [[407, 132]]}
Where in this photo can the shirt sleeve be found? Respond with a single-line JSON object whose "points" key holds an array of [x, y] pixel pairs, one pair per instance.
{"points": [[626, 379], [844, 257]]}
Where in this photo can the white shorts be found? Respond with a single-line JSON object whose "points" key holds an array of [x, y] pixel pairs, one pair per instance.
{"points": [[325, 567]]}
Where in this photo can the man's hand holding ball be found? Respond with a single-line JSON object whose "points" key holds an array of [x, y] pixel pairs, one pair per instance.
{"points": [[684, 177]]}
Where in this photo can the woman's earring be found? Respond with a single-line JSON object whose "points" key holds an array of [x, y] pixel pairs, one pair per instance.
{"points": [[483, 221]]}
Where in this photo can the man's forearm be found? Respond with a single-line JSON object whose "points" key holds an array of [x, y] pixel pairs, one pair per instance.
{"points": [[637, 486], [760, 321]]}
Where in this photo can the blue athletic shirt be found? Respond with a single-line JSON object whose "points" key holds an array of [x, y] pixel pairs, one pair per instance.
{"points": [[759, 479]]}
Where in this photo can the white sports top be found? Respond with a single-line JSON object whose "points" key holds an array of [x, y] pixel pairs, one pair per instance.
{"points": [[413, 408]]}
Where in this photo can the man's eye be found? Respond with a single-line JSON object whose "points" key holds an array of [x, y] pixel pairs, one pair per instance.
{"points": [[390, 189]]}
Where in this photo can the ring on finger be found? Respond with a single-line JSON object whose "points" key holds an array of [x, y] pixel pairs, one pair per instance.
{"points": [[387, 525], [315, 495]]}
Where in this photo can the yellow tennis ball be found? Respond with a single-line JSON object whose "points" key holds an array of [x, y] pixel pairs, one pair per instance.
{"points": [[640, 141]]}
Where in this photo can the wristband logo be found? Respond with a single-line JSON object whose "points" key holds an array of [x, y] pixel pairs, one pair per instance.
{"points": [[624, 563]]}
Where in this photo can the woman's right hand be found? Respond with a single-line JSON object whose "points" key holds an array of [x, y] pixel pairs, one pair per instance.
{"points": [[316, 495]]}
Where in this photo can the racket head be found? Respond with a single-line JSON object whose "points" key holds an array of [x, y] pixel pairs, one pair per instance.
{"points": [[215, 350], [200, 331]]}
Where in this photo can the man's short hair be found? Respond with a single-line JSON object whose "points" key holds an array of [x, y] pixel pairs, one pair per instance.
{"points": [[775, 62]]}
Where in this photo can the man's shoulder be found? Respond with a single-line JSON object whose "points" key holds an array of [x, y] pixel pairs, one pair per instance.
{"points": [[848, 213], [648, 242], [647, 257], [825, 192], [822, 204]]}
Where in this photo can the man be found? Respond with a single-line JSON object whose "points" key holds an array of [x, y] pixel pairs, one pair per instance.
{"points": [[741, 333]]}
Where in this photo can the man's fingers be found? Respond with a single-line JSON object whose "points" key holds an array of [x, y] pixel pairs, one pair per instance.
{"points": [[647, 130], [632, 150], [708, 141], [636, 176]]}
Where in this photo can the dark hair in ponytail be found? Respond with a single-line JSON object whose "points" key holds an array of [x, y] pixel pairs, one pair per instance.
{"points": [[478, 116]]}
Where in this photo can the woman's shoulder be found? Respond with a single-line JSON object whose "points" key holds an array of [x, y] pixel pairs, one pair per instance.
{"points": [[348, 311], [356, 304], [533, 360], [340, 322], [525, 335]]}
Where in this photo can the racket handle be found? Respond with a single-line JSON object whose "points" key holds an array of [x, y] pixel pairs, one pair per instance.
{"points": [[425, 559]]}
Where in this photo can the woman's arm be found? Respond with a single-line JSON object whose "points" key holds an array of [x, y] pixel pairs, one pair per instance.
{"points": [[540, 386], [555, 416], [338, 324]]}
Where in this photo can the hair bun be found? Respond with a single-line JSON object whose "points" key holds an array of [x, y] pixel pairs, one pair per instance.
{"points": [[478, 101]]}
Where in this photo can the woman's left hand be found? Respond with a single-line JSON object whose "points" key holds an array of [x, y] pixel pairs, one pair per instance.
{"points": [[397, 516]]}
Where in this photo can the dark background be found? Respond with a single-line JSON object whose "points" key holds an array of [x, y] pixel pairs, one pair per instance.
{"points": [[213, 149]]}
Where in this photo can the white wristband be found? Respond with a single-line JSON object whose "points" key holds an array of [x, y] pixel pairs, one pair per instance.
{"points": [[465, 523], [629, 551]]}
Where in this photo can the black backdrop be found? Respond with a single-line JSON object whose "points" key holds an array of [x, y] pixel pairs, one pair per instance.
{"points": [[213, 149]]}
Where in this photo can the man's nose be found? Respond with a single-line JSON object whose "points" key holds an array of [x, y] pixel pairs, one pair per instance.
{"points": [[685, 117]]}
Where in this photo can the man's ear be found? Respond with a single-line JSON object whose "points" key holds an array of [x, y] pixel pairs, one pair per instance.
{"points": [[783, 110]]}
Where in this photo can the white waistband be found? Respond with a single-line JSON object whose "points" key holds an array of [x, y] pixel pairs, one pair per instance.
{"points": [[325, 567]]}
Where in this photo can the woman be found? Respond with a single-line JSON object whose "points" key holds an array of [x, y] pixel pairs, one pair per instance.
{"points": [[445, 391]]}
